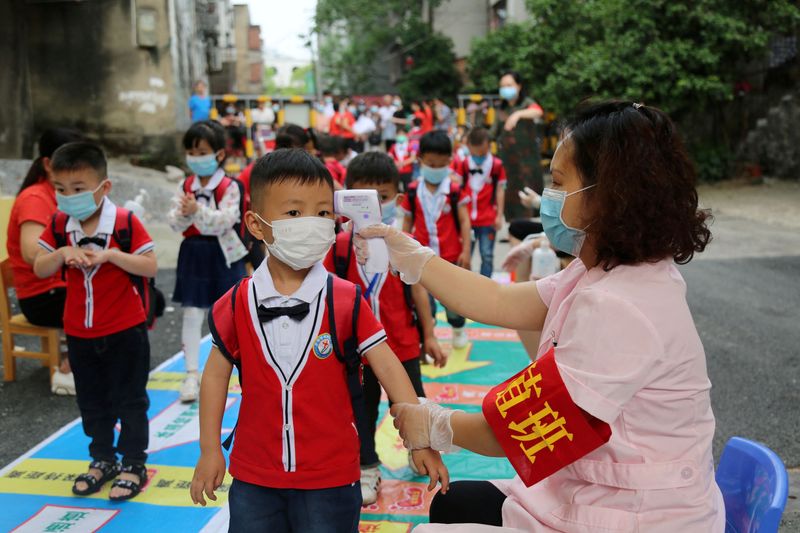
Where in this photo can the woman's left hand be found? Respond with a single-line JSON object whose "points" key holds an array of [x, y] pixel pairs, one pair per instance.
{"points": [[511, 121]]}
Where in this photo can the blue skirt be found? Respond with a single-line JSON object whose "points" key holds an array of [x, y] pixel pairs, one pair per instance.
{"points": [[203, 277]]}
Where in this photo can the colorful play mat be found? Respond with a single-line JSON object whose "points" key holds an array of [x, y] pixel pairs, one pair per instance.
{"points": [[35, 490]]}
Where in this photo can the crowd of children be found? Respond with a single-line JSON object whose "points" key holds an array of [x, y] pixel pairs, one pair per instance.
{"points": [[288, 327]]}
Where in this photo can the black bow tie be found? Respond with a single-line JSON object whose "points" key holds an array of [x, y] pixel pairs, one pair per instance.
{"points": [[199, 195], [296, 312], [99, 241], [476, 170]]}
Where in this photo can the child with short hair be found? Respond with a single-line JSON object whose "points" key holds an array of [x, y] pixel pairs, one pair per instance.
{"points": [[404, 154], [484, 179], [207, 210], [396, 305], [104, 315], [295, 459], [436, 213], [330, 147]]}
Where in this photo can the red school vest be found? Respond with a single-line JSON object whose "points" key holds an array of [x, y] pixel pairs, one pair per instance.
{"points": [[297, 430]]}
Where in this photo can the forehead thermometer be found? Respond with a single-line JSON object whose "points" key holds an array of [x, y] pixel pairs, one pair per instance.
{"points": [[363, 208]]}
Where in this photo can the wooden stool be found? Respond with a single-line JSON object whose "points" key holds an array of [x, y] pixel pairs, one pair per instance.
{"points": [[18, 325]]}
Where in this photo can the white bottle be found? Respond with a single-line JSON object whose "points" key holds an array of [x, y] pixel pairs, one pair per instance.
{"points": [[544, 262], [137, 204]]}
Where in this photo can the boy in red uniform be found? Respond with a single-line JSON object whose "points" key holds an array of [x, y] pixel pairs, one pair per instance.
{"points": [[329, 149], [104, 317], [395, 304], [296, 334], [484, 179], [436, 213], [404, 154]]}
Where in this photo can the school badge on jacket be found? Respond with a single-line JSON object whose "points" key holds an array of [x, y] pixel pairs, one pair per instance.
{"points": [[323, 346]]}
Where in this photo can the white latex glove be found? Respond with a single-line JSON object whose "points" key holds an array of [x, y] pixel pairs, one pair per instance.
{"points": [[407, 256], [530, 198], [520, 253], [426, 425]]}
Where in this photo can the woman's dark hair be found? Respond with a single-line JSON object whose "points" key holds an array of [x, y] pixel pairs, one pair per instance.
{"points": [[287, 164], [293, 136], [645, 205], [49, 142], [210, 131], [518, 79]]}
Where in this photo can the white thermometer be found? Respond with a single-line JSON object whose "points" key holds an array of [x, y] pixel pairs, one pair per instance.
{"points": [[363, 207]]}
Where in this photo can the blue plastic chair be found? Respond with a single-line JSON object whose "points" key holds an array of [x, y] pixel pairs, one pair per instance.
{"points": [[755, 487]]}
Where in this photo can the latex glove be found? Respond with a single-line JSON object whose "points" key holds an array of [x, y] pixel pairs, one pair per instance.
{"points": [[530, 198], [426, 425], [407, 256], [519, 254]]}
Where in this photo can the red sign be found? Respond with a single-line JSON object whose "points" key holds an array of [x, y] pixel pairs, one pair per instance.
{"points": [[538, 425]]}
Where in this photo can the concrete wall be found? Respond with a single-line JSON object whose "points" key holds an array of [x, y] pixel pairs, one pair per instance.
{"points": [[462, 21], [16, 131]]}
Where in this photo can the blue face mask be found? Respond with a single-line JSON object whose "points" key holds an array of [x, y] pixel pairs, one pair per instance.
{"points": [[80, 206], [389, 212], [202, 165], [508, 93], [434, 176], [565, 238], [478, 159]]}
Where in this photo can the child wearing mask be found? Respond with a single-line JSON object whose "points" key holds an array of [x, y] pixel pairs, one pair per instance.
{"points": [[296, 335], [101, 248], [396, 305], [436, 213], [207, 210]]}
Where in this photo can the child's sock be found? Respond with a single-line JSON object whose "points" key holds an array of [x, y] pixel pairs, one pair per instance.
{"points": [[190, 336]]}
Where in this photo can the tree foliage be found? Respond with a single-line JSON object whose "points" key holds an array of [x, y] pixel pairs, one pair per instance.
{"points": [[678, 55], [356, 34]]}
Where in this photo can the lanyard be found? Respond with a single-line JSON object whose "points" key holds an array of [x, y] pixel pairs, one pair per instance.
{"points": [[371, 286]]}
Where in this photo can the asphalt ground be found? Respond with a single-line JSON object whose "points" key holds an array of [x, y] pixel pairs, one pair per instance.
{"points": [[744, 294]]}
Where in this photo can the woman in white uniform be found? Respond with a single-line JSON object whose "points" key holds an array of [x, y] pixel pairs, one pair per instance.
{"points": [[611, 428]]}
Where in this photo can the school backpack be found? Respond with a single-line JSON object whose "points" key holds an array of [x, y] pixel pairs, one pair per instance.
{"points": [[153, 300], [345, 351], [453, 197], [219, 193], [341, 264], [494, 173]]}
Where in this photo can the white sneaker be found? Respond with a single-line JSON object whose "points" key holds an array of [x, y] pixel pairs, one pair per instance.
{"points": [[460, 338], [370, 484], [190, 389], [62, 384], [411, 464]]}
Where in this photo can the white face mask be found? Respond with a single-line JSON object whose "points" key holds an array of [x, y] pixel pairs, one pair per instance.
{"points": [[300, 242]]}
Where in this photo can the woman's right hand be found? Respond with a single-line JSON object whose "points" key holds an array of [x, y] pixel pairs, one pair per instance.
{"points": [[424, 425], [407, 256]]}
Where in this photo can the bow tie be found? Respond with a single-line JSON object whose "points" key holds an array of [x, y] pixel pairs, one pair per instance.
{"points": [[296, 312], [99, 241], [478, 170], [199, 195]]}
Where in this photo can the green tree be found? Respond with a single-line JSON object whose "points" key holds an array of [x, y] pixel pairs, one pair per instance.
{"points": [[683, 56], [354, 35]]}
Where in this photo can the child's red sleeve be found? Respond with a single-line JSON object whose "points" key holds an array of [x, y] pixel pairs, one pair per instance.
{"points": [[47, 240], [369, 331], [223, 328], [141, 242]]}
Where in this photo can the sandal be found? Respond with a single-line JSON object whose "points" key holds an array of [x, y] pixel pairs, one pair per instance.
{"points": [[93, 484], [132, 486]]}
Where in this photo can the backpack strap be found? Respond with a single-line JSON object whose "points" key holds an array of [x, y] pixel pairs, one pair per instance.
{"points": [[123, 230], [187, 184], [234, 292], [454, 196], [495, 173], [347, 351], [341, 262], [58, 224], [412, 201], [219, 193]]}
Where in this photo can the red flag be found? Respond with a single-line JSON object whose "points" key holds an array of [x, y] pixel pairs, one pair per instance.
{"points": [[538, 425]]}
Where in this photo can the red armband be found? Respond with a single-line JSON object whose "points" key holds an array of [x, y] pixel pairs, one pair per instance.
{"points": [[538, 425]]}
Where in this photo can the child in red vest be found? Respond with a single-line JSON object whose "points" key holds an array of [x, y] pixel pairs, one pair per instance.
{"points": [[329, 149], [398, 307], [484, 179], [296, 335], [104, 315], [404, 154], [207, 210], [436, 213]]}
